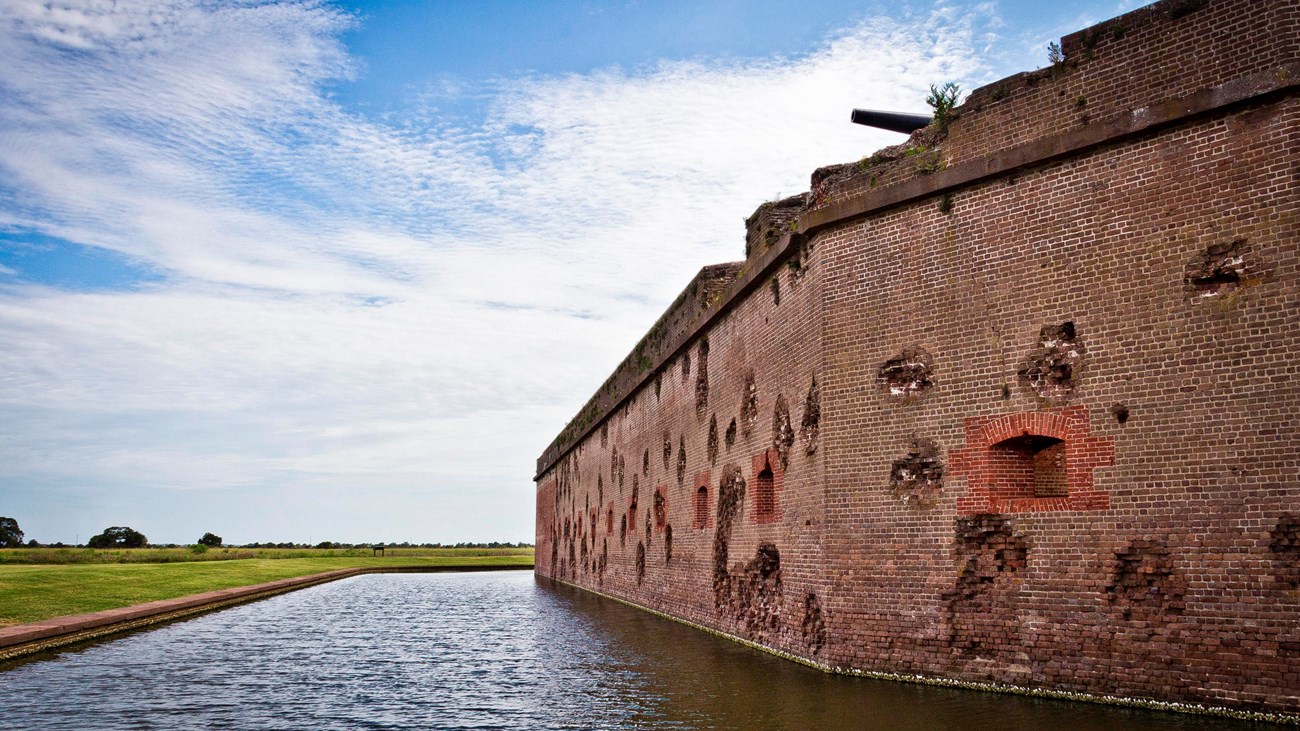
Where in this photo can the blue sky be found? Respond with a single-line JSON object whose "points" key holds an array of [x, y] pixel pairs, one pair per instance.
{"points": [[314, 271]]}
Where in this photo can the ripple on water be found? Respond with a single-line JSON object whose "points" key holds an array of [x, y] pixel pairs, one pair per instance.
{"points": [[483, 651]]}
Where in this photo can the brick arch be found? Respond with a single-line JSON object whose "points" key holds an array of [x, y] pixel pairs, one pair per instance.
{"points": [[988, 489]]}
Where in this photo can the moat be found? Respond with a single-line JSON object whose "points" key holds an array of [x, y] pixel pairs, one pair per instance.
{"points": [[484, 651]]}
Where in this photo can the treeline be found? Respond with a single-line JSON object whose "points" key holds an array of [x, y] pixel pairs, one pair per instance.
{"points": [[403, 544]]}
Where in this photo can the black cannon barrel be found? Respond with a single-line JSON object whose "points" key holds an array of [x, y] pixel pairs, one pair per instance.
{"points": [[892, 121]]}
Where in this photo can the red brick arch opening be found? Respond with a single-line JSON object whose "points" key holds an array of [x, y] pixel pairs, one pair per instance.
{"points": [[1030, 465], [702, 506], [1032, 461]]}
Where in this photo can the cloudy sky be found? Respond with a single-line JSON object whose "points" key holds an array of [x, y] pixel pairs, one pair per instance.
{"points": [[310, 271]]}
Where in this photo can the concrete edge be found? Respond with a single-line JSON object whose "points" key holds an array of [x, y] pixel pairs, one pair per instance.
{"points": [[28, 639], [988, 687]]}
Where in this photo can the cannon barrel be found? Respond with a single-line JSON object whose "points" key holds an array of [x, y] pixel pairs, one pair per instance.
{"points": [[892, 121]]}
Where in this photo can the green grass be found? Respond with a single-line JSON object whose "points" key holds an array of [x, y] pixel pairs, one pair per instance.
{"points": [[32, 592], [186, 554]]}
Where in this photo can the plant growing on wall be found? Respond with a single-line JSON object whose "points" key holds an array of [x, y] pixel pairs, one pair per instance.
{"points": [[943, 100]]}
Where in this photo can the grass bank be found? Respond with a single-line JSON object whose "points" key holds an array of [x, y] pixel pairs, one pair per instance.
{"points": [[33, 592], [185, 554]]}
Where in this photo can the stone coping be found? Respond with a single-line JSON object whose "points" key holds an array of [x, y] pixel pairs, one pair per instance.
{"points": [[26, 639]]}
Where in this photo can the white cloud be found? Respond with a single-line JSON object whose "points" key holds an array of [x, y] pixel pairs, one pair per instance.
{"points": [[399, 307]]}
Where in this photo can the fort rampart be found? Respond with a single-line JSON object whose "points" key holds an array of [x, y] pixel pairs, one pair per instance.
{"points": [[1014, 402]]}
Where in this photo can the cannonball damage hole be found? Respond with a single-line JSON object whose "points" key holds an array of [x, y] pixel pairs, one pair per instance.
{"points": [[712, 444], [1051, 367], [1219, 270], [1031, 465], [749, 403], [668, 449], [731, 493], [1120, 412], [757, 588], [765, 494], [681, 460], [668, 543], [782, 431], [731, 435], [640, 562], [981, 605], [907, 375], [1284, 544], [702, 380], [917, 478], [813, 626], [1144, 583], [810, 425]]}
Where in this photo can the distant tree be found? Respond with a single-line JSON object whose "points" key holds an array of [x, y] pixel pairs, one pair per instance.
{"points": [[211, 540], [11, 536], [33, 543], [118, 537]]}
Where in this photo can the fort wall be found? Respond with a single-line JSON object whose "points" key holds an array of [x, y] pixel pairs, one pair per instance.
{"points": [[1014, 402]]}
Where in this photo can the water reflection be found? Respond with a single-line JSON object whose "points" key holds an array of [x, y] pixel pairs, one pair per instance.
{"points": [[483, 651]]}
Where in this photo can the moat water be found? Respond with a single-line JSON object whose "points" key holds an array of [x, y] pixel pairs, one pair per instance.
{"points": [[484, 651]]}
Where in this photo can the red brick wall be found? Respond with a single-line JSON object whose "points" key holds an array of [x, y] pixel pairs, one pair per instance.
{"points": [[1117, 325]]}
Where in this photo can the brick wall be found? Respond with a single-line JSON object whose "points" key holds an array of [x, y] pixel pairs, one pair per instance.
{"points": [[1055, 437]]}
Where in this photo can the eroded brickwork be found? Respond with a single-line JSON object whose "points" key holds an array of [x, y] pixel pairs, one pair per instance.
{"points": [[1032, 392]]}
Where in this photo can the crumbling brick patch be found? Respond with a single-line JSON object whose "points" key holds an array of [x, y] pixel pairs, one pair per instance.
{"points": [[632, 504], [645, 463], [686, 367], [668, 543], [661, 507], [1052, 367], [813, 625], [702, 380], [604, 435], [810, 425], [748, 403], [757, 587], [640, 562], [917, 477], [668, 449], [681, 459], [981, 605], [907, 375], [782, 431], [649, 534], [712, 443], [622, 530], [731, 491], [604, 558], [1284, 544], [1220, 269], [731, 435], [1144, 584]]}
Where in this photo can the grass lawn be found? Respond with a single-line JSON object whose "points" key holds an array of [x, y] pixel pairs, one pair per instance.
{"points": [[32, 592]]}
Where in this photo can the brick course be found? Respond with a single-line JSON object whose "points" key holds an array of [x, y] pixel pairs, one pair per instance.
{"points": [[1030, 417]]}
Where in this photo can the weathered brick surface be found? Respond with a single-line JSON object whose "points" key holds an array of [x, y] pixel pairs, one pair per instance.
{"points": [[1056, 437]]}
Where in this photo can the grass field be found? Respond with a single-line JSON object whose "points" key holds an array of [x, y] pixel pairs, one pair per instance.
{"points": [[30, 592]]}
